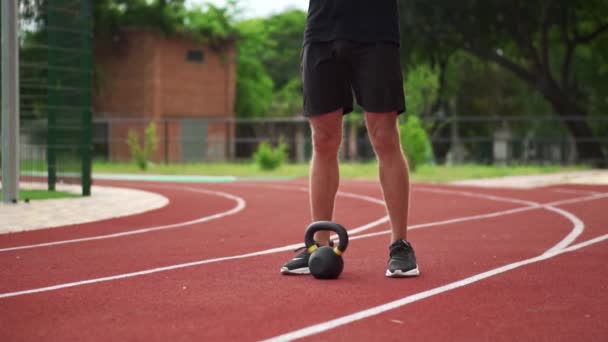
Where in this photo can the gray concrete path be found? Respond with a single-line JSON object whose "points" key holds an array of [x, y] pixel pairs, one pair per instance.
{"points": [[534, 181], [104, 203]]}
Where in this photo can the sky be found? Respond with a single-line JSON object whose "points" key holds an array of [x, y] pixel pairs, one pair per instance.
{"points": [[259, 8]]}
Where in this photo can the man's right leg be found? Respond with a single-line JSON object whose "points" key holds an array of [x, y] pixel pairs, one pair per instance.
{"points": [[324, 168], [324, 180], [327, 96]]}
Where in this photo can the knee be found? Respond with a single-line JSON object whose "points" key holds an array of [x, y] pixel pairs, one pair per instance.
{"points": [[385, 141], [326, 144]]}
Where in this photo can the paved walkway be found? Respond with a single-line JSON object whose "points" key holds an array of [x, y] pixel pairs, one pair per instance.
{"points": [[111, 202], [576, 177], [104, 203]]}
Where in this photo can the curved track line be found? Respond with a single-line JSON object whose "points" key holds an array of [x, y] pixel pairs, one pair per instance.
{"points": [[240, 202], [570, 237], [351, 231], [559, 248], [368, 226], [576, 192], [478, 195], [578, 225], [450, 221], [240, 205], [200, 262], [576, 231], [253, 254], [318, 328]]}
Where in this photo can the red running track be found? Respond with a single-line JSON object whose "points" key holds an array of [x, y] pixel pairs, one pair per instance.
{"points": [[497, 265]]}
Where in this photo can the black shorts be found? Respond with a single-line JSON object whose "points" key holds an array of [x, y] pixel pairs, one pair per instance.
{"points": [[333, 71]]}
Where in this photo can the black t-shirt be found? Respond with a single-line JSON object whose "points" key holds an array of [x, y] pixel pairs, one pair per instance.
{"points": [[366, 21]]}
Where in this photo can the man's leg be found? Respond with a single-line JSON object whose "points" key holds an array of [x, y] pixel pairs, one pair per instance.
{"points": [[327, 96], [394, 179], [324, 168], [383, 132], [324, 180]]}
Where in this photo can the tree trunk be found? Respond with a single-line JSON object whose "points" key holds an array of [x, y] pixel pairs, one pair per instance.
{"points": [[562, 100], [588, 147]]}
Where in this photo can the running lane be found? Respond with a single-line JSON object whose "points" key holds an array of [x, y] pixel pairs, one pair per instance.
{"points": [[208, 301], [560, 299]]}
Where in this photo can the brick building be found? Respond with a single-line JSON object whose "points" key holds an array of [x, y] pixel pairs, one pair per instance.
{"points": [[180, 84]]}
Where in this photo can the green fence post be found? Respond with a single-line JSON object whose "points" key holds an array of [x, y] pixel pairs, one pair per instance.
{"points": [[53, 104], [86, 142]]}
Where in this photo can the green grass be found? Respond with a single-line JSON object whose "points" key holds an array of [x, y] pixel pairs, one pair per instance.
{"points": [[34, 195], [205, 169], [425, 173], [442, 174]]}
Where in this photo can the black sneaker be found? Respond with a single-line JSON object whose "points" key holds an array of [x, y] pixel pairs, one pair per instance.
{"points": [[402, 261], [299, 264]]}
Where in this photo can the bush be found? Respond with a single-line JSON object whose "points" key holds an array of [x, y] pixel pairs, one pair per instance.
{"points": [[141, 154], [415, 142], [269, 158]]}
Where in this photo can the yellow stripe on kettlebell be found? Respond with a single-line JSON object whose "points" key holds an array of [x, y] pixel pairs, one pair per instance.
{"points": [[312, 248], [337, 251]]}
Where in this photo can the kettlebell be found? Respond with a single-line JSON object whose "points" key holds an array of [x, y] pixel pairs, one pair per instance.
{"points": [[325, 262]]}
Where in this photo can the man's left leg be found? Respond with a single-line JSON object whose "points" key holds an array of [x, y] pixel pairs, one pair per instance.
{"points": [[383, 132]]}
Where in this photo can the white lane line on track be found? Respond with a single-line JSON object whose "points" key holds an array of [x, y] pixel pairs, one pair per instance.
{"points": [[478, 195], [576, 192], [561, 247], [578, 225], [240, 205], [207, 261], [529, 205], [577, 229], [351, 231], [318, 328], [241, 202], [575, 232]]}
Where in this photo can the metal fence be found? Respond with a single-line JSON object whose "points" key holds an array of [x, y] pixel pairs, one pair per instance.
{"points": [[55, 73], [200, 140], [515, 140], [486, 140]]}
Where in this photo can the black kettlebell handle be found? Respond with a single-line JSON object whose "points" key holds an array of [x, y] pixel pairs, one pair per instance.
{"points": [[309, 236]]}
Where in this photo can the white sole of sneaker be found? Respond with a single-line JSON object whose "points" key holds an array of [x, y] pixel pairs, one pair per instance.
{"points": [[304, 270], [400, 274]]}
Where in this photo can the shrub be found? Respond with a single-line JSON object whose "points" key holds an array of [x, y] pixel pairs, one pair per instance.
{"points": [[415, 142], [142, 153], [269, 158]]}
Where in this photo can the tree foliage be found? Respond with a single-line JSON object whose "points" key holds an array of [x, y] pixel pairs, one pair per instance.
{"points": [[269, 81], [211, 24], [540, 42], [268, 48], [415, 142], [254, 85], [142, 151], [469, 57]]}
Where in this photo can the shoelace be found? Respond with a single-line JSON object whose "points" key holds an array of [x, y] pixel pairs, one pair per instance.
{"points": [[399, 248]]}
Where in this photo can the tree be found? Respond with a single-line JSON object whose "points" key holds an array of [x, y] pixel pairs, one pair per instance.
{"points": [[537, 41], [269, 81], [285, 34], [254, 88], [281, 59]]}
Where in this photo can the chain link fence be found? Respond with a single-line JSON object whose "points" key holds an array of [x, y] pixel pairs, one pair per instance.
{"points": [[55, 74], [483, 140]]}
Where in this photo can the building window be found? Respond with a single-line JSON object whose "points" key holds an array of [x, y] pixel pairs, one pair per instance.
{"points": [[195, 56]]}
